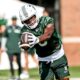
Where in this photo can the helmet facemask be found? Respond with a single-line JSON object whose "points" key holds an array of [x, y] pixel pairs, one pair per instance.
{"points": [[31, 22]]}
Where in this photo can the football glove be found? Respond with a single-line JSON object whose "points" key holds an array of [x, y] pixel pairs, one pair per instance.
{"points": [[32, 39]]}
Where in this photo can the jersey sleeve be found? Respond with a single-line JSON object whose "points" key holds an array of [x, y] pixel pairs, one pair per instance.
{"points": [[6, 33], [49, 20]]}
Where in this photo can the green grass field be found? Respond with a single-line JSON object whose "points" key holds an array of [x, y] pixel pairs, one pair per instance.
{"points": [[34, 75]]}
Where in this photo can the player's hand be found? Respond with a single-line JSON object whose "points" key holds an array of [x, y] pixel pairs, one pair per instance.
{"points": [[23, 46], [32, 39]]}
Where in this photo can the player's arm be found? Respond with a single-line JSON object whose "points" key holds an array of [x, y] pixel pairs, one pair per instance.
{"points": [[32, 39], [47, 33]]}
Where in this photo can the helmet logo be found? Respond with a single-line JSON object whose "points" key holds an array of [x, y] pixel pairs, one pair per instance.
{"points": [[24, 11]]}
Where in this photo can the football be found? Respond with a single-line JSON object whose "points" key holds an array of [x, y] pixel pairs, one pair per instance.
{"points": [[24, 41]]}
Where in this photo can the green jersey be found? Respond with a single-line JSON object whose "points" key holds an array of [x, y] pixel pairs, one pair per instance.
{"points": [[49, 46], [13, 37]]}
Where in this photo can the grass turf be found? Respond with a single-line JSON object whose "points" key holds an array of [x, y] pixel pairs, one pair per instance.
{"points": [[74, 72]]}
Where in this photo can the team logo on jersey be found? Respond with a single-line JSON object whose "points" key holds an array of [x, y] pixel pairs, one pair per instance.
{"points": [[17, 31]]}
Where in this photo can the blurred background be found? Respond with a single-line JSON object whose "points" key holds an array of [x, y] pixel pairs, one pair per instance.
{"points": [[67, 22]]}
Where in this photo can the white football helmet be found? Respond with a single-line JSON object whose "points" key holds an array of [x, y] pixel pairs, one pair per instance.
{"points": [[26, 12]]}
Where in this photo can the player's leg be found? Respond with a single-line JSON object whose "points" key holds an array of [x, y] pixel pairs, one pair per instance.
{"points": [[11, 64], [60, 68], [25, 73], [32, 52], [19, 63], [45, 71], [26, 62], [34, 59]]}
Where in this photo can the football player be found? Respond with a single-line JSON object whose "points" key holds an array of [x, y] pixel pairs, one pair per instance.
{"points": [[12, 34], [41, 34]]}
